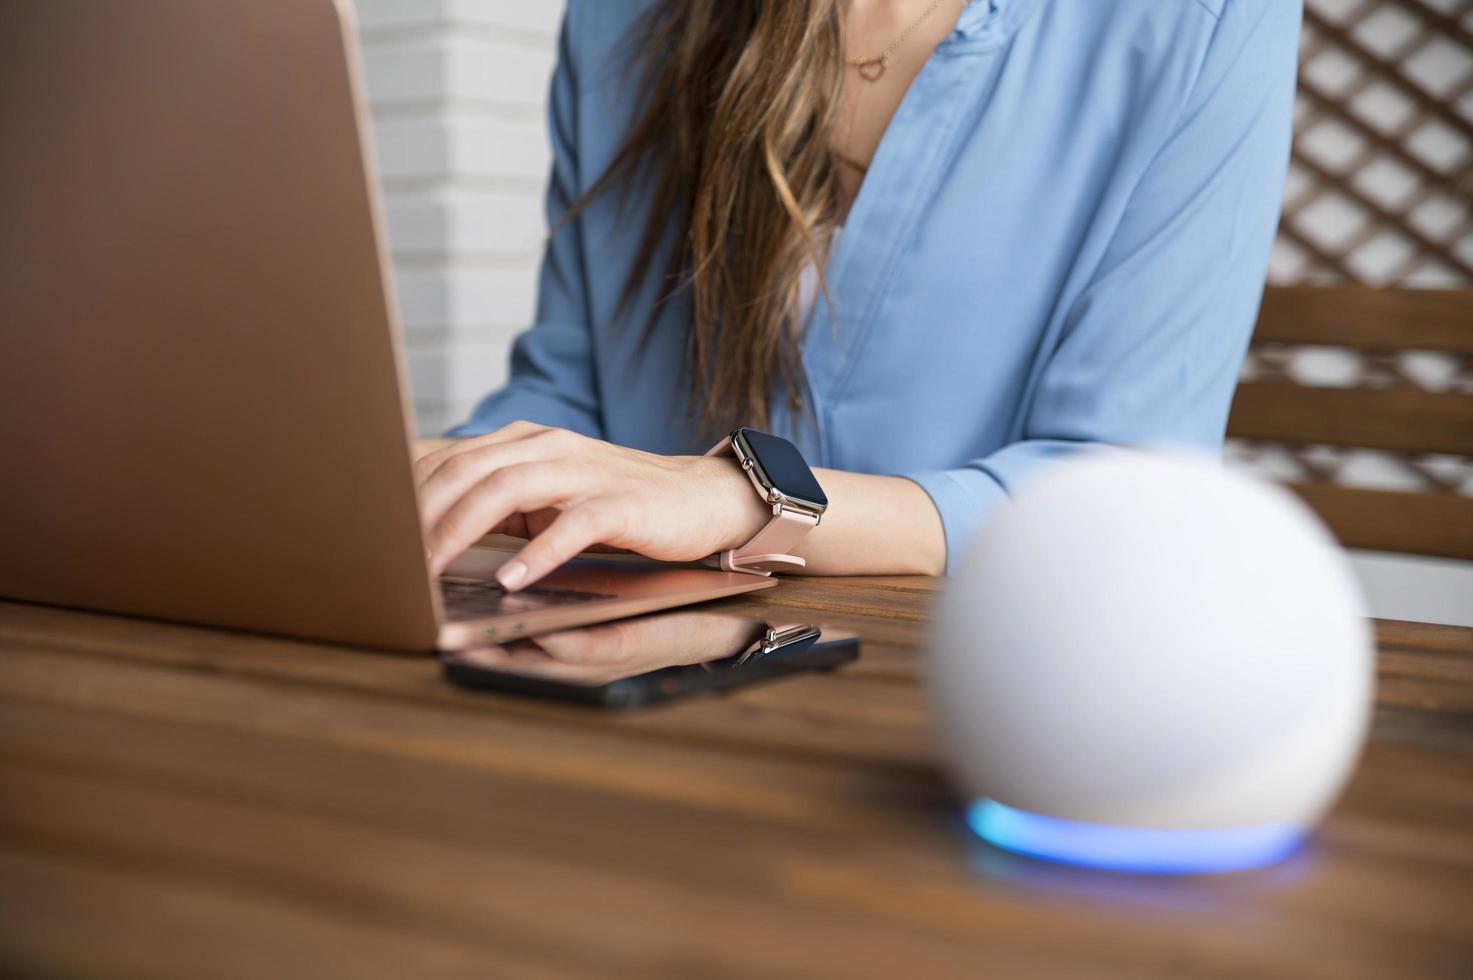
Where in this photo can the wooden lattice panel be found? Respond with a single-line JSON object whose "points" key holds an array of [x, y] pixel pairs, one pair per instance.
{"points": [[1380, 192], [1380, 189]]}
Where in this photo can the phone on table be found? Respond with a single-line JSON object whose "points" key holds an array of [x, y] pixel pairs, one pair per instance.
{"points": [[651, 659]]}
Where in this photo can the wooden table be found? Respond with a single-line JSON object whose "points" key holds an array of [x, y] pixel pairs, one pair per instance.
{"points": [[178, 802]]}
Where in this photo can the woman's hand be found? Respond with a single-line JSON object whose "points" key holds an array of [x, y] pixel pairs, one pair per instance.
{"points": [[565, 492], [610, 651]]}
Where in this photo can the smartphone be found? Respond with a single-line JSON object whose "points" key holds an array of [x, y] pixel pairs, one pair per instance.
{"points": [[650, 659]]}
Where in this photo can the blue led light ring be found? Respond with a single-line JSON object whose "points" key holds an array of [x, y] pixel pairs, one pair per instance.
{"points": [[1144, 849]]}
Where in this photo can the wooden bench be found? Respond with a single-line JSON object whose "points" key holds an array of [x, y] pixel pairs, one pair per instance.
{"points": [[1400, 419]]}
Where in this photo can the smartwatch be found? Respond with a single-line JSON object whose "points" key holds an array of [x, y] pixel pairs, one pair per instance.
{"points": [[783, 480]]}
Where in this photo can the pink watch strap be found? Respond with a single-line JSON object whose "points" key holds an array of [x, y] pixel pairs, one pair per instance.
{"points": [[771, 549]]}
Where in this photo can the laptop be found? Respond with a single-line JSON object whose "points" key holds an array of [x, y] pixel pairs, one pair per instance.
{"points": [[202, 411]]}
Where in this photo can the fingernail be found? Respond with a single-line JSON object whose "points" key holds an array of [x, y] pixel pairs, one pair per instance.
{"points": [[511, 574]]}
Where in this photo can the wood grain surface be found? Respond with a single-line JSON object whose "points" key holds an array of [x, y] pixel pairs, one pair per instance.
{"points": [[177, 802]]}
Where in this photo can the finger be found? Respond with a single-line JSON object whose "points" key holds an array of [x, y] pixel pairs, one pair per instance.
{"points": [[585, 645], [442, 447], [501, 447], [525, 526], [571, 648], [426, 464], [592, 522], [457, 474], [431, 461], [514, 489], [514, 526]]}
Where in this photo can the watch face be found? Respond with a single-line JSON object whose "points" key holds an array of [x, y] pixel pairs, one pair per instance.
{"points": [[784, 466]]}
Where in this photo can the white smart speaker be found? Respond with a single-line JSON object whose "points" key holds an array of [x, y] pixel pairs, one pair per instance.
{"points": [[1149, 663]]}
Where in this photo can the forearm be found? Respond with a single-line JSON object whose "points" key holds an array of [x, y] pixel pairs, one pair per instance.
{"points": [[875, 525]]}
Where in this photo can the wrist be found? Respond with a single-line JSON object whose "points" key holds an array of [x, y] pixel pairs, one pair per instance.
{"points": [[738, 514]]}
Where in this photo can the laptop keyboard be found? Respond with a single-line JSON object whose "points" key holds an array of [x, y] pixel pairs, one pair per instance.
{"points": [[478, 598]]}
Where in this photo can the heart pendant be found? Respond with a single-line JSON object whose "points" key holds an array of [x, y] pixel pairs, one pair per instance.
{"points": [[873, 71]]}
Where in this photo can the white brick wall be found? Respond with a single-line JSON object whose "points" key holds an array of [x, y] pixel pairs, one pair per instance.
{"points": [[457, 90]]}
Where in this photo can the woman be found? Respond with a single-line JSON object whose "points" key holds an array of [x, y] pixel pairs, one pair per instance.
{"points": [[934, 243]]}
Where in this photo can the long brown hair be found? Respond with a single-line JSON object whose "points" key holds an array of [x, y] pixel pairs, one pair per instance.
{"points": [[740, 97]]}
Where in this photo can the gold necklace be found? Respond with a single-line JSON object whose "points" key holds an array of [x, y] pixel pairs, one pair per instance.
{"points": [[873, 69]]}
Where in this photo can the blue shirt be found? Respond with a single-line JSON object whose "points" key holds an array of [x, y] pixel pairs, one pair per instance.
{"points": [[1061, 241]]}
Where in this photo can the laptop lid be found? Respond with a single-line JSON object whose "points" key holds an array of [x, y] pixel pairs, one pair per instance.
{"points": [[203, 416]]}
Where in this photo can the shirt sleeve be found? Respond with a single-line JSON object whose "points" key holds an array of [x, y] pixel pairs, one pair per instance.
{"points": [[552, 379], [1150, 352]]}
